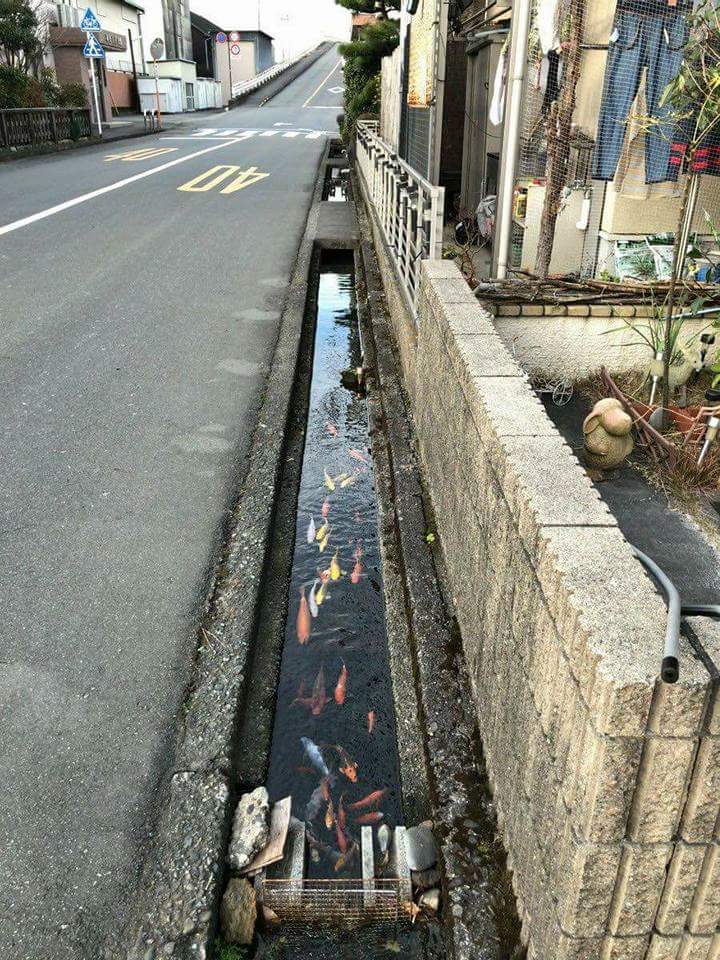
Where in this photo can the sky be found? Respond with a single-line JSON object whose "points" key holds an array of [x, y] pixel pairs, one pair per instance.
{"points": [[297, 24]]}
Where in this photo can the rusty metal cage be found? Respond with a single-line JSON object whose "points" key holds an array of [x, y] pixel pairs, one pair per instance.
{"points": [[344, 903]]}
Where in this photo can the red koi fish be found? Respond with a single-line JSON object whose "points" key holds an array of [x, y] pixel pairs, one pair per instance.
{"points": [[371, 721], [302, 624], [374, 817], [326, 508], [367, 803], [319, 697], [358, 455], [341, 687]]}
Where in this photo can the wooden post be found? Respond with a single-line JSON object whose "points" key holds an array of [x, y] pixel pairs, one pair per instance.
{"points": [[4, 139]]}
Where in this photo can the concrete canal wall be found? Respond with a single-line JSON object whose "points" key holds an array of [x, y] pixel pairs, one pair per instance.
{"points": [[606, 781]]}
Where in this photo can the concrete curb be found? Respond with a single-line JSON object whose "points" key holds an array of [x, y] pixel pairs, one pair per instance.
{"points": [[450, 731], [181, 882]]}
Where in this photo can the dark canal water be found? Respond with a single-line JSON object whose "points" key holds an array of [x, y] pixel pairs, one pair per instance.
{"points": [[334, 745]]}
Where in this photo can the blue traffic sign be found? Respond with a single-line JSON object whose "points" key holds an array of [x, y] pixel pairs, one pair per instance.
{"points": [[92, 49], [220, 37], [89, 21]]}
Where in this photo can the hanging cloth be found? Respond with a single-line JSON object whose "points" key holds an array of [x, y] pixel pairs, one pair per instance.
{"points": [[496, 113], [546, 23]]}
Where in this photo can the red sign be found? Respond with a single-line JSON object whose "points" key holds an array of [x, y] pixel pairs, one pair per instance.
{"points": [[234, 36], [235, 50]]}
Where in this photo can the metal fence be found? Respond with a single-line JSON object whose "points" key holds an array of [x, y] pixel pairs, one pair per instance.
{"points": [[408, 208], [343, 903], [31, 126]]}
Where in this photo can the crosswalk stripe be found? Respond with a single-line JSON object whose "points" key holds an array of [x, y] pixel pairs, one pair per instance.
{"points": [[291, 133], [314, 136], [204, 131], [269, 133]]}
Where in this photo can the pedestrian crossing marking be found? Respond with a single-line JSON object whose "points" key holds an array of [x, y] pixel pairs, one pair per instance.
{"points": [[291, 134], [269, 133], [219, 174], [145, 154], [217, 133]]}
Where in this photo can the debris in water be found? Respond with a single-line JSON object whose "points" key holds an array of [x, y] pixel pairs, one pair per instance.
{"points": [[335, 571], [311, 529], [329, 482], [420, 848], [341, 686], [314, 755], [371, 721], [312, 600], [374, 816], [303, 619], [392, 946], [358, 455], [367, 803]]}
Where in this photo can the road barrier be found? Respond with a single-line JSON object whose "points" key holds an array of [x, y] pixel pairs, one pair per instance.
{"points": [[409, 209], [28, 127], [243, 87]]}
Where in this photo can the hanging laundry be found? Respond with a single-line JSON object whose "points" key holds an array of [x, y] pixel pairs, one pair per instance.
{"points": [[497, 106], [647, 35], [546, 22], [707, 155]]}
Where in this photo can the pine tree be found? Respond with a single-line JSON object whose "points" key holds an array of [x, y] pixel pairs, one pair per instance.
{"points": [[381, 7]]}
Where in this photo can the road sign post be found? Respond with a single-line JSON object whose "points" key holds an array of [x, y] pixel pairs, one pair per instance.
{"points": [[157, 48], [91, 68], [93, 51]]}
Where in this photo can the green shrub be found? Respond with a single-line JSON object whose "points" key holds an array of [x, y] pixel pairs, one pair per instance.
{"points": [[363, 60], [72, 95], [34, 94], [13, 84], [50, 87]]}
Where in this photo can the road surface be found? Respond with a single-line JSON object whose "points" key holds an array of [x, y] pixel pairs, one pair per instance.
{"points": [[141, 287]]}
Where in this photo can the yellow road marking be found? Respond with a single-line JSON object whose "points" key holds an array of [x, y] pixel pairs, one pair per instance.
{"points": [[145, 154], [216, 175], [314, 94]]}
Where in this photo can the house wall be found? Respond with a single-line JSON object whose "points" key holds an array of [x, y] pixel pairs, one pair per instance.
{"points": [[242, 65], [390, 93], [605, 780]]}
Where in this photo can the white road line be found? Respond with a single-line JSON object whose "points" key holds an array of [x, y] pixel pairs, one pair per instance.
{"points": [[58, 208], [205, 131], [314, 94], [314, 135], [314, 107], [291, 134], [269, 133]]}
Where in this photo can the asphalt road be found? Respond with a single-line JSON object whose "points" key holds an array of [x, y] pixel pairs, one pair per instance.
{"points": [[140, 298]]}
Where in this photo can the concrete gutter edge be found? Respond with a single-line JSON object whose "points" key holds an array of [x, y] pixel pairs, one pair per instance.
{"points": [[181, 880]]}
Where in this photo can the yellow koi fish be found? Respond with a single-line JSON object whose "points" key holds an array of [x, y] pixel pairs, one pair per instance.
{"points": [[335, 571], [329, 482]]}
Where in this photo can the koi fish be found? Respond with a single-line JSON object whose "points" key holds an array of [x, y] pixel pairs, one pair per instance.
{"points": [[305, 771], [341, 838], [311, 529], [325, 508], [331, 429], [367, 803], [325, 784], [384, 836], [335, 571], [358, 455], [345, 859], [371, 721], [324, 542], [319, 697], [357, 569], [314, 804], [313, 753], [329, 482], [322, 531], [330, 815], [341, 813], [341, 686], [322, 593], [302, 624], [374, 817], [348, 481], [340, 477], [347, 765], [312, 601]]}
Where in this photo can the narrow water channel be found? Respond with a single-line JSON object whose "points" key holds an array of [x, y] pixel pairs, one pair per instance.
{"points": [[334, 743]]}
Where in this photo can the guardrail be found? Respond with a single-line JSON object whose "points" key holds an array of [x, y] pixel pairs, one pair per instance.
{"points": [[34, 125], [408, 208], [247, 86]]}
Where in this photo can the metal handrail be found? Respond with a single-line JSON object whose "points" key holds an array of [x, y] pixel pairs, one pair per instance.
{"points": [[247, 86]]}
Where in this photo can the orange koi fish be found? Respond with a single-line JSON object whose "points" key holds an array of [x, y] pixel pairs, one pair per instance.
{"points": [[302, 624], [367, 803], [325, 508], [358, 455], [319, 697], [331, 429], [341, 686], [357, 569], [341, 814], [330, 815], [374, 817], [371, 721]]}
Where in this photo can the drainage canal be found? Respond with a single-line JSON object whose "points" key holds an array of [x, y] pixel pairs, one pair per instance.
{"points": [[334, 745]]}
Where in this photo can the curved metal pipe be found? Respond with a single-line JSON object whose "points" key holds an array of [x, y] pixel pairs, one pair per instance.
{"points": [[670, 668]]}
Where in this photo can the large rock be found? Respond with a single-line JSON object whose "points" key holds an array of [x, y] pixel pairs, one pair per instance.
{"points": [[251, 828], [420, 848], [239, 911]]}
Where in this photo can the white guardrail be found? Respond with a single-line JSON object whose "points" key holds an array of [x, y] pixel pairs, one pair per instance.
{"points": [[408, 208], [247, 86]]}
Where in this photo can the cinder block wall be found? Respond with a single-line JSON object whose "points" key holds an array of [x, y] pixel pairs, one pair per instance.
{"points": [[606, 781]]}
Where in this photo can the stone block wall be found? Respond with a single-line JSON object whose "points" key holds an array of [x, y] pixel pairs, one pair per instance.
{"points": [[606, 781]]}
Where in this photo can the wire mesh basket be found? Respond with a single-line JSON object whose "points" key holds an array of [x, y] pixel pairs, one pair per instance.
{"points": [[343, 903]]}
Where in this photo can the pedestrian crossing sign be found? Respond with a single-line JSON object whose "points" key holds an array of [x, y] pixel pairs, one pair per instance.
{"points": [[93, 49], [89, 22]]}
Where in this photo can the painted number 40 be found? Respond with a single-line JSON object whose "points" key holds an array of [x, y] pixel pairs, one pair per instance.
{"points": [[217, 175]]}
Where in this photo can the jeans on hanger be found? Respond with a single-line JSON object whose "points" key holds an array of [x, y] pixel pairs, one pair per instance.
{"points": [[652, 41]]}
